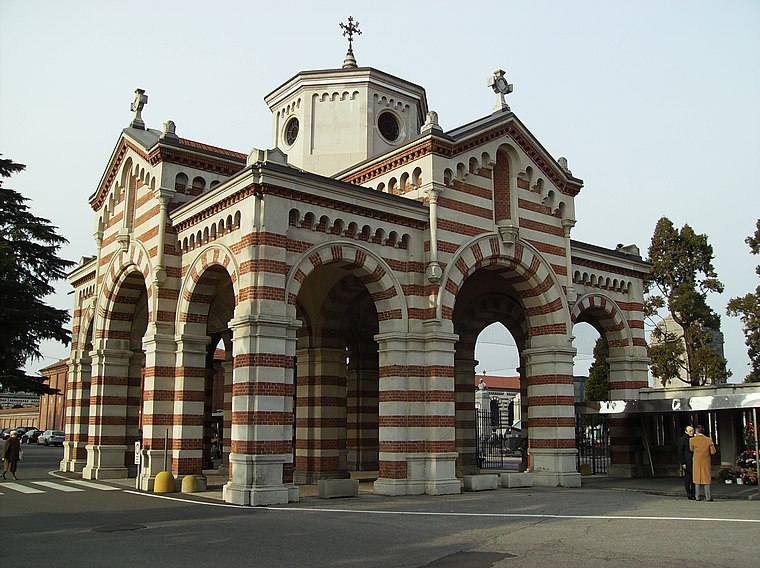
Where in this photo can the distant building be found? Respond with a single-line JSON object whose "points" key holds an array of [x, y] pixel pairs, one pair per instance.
{"points": [[669, 325], [18, 400]]}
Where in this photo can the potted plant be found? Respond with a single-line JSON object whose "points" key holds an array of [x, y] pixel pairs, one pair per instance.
{"points": [[727, 475]]}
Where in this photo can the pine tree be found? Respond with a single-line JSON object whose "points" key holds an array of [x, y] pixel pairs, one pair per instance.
{"points": [[597, 384], [683, 274], [747, 307], [29, 262]]}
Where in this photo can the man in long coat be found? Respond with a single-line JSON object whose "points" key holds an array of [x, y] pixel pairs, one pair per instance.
{"points": [[685, 459], [11, 454], [703, 448]]}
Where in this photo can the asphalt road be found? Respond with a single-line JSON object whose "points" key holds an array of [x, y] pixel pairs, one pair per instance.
{"points": [[102, 524]]}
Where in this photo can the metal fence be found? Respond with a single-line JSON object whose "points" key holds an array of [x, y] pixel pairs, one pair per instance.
{"points": [[496, 440], [592, 438]]}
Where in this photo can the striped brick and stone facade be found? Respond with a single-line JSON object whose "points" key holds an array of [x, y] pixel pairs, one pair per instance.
{"points": [[346, 283]]}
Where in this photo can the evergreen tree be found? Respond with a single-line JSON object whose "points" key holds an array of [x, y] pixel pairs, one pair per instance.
{"points": [[597, 384], [28, 263], [682, 275], [747, 307]]}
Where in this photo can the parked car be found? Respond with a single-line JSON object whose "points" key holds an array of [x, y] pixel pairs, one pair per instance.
{"points": [[6, 433], [51, 438], [30, 436]]}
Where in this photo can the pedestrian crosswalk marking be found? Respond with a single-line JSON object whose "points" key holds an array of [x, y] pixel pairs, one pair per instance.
{"points": [[92, 485], [57, 486], [21, 488]]}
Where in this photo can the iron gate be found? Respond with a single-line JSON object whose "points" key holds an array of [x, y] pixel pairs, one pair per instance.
{"points": [[592, 438], [495, 439]]}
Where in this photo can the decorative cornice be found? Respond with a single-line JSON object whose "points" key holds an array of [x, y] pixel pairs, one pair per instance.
{"points": [[218, 206], [420, 150], [449, 150], [608, 267], [173, 155]]}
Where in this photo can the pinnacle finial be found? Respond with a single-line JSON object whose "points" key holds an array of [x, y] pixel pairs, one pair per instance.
{"points": [[349, 30]]}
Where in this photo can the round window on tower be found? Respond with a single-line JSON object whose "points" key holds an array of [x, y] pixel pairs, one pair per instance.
{"points": [[387, 124], [291, 131]]}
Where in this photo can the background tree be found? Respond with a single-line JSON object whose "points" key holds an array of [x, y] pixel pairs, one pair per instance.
{"points": [[682, 274], [28, 263], [747, 307], [597, 384]]}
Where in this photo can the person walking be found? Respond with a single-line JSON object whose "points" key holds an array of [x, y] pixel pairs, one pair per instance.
{"points": [[685, 456], [703, 448], [11, 454]]}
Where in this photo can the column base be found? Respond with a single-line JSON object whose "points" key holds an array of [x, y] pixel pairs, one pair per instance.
{"points": [[554, 467], [71, 463], [105, 462], [556, 479], [312, 477], [427, 474], [257, 480]]}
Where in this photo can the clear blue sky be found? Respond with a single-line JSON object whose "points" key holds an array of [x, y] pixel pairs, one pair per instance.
{"points": [[655, 104]]}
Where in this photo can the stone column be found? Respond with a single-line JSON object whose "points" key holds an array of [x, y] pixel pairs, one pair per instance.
{"points": [[361, 414], [77, 414], [225, 434], [158, 403], [464, 401], [188, 409], [551, 416], [417, 415], [321, 415], [106, 447], [262, 411], [627, 375]]}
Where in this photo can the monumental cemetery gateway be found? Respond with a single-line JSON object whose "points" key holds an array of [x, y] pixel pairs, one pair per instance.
{"points": [[345, 275]]}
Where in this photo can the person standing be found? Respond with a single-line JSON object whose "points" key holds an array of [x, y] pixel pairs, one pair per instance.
{"points": [[685, 456], [703, 448], [11, 454]]}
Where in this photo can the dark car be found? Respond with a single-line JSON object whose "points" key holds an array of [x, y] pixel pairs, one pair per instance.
{"points": [[6, 433], [51, 438], [30, 436]]}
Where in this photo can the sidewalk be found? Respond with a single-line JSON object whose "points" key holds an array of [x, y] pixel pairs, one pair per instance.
{"points": [[667, 486], [670, 486]]}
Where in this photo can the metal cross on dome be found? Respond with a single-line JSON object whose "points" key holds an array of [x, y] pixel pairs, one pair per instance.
{"points": [[349, 30]]}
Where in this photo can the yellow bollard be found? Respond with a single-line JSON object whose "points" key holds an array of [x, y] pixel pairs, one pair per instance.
{"points": [[164, 483], [190, 484]]}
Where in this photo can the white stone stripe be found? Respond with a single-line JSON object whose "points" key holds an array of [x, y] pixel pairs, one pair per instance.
{"points": [[57, 486], [21, 488], [92, 485]]}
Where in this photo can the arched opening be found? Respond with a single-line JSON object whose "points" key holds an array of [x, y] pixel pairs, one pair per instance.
{"points": [[490, 321], [210, 309], [337, 377], [116, 392]]}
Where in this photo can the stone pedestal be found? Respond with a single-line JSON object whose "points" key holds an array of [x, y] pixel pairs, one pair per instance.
{"points": [[431, 474], [105, 462], [257, 480]]}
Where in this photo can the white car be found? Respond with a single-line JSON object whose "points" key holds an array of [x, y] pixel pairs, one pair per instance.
{"points": [[51, 438]]}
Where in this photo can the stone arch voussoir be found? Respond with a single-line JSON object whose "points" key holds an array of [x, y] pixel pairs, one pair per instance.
{"points": [[608, 316], [533, 279], [213, 255], [121, 267], [369, 268]]}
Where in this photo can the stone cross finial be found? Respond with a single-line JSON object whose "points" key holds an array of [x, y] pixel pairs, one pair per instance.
{"points": [[498, 82], [349, 30], [141, 99]]}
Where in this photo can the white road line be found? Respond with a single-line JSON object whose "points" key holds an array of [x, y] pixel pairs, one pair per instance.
{"points": [[21, 488], [92, 485], [471, 515], [57, 486]]}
